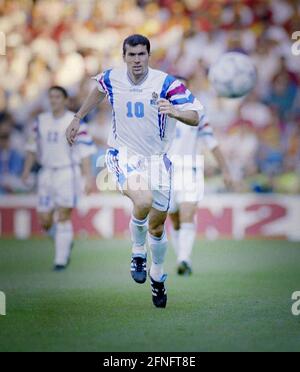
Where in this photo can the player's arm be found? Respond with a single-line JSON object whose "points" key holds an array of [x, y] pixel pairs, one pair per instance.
{"points": [[85, 148], [220, 159], [31, 150], [86, 169], [206, 134], [189, 117], [30, 160], [93, 99]]}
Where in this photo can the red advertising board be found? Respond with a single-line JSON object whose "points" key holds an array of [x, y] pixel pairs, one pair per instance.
{"points": [[219, 216]]}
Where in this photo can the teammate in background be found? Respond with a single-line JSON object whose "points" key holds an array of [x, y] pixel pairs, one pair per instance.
{"points": [[62, 168], [183, 205], [146, 104]]}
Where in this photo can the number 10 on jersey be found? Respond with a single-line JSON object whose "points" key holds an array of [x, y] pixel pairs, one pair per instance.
{"points": [[135, 109]]}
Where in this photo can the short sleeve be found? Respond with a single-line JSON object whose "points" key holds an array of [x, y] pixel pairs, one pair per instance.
{"points": [[100, 83], [181, 97]]}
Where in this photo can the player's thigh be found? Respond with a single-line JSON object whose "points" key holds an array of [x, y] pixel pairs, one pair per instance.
{"points": [[138, 192], [46, 219], [64, 214], [156, 222], [187, 211], [130, 180]]}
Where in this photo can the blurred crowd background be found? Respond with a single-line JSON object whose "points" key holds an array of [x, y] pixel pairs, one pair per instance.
{"points": [[66, 42]]}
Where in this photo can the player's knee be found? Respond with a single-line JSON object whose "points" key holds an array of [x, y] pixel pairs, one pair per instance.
{"points": [[175, 221], [46, 224], [143, 206], [176, 225], [187, 218], [156, 230], [64, 215], [187, 214]]}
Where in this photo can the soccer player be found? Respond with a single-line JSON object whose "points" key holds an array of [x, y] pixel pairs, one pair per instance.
{"points": [[62, 168], [146, 103], [183, 205]]}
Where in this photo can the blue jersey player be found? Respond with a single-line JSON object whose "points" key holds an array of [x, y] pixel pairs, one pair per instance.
{"points": [[146, 103]]}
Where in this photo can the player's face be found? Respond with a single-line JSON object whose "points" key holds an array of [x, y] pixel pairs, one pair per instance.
{"points": [[57, 100], [137, 59]]}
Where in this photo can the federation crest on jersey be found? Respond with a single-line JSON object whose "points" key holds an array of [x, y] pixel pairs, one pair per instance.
{"points": [[154, 99]]}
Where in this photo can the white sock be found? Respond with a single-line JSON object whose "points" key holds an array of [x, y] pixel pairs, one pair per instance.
{"points": [[158, 248], [186, 241], [138, 230], [174, 237], [63, 242]]}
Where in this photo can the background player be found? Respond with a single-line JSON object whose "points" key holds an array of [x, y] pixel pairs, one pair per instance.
{"points": [[183, 205], [60, 178], [146, 104]]}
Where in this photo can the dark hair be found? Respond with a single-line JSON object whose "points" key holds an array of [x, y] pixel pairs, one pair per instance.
{"points": [[59, 88], [134, 40]]}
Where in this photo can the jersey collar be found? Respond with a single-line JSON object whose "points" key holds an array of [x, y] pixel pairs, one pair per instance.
{"points": [[133, 84]]}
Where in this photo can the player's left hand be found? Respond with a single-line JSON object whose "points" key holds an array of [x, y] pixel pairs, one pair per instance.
{"points": [[166, 108]]}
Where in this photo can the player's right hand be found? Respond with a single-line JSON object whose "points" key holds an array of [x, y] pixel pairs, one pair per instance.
{"points": [[72, 130]]}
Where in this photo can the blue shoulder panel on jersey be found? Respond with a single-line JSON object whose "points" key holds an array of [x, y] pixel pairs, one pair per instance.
{"points": [[169, 80], [181, 101], [107, 83]]}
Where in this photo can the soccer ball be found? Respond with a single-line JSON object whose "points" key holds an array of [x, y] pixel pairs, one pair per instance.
{"points": [[233, 76]]}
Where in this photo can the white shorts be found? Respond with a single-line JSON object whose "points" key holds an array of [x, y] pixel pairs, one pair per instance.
{"points": [[58, 188], [186, 193], [155, 173]]}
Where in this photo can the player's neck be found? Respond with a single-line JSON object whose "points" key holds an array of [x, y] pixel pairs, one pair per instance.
{"points": [[58, 114], [137, 79]]}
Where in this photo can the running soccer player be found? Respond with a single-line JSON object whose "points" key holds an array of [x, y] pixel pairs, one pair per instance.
{"points": [[146, 103], [62, 168], [184, 203]]}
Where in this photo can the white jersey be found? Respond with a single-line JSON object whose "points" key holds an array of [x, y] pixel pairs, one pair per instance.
{"points": [[136, 122], [188, 142], [188, 139], [48, 141]]}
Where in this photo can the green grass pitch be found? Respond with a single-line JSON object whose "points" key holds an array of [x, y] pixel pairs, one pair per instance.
{"points": [[238, 299]]}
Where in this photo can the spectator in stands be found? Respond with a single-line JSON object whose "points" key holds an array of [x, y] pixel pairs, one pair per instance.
{"points": [[68, 41], [283, 91], [11, 161]]}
